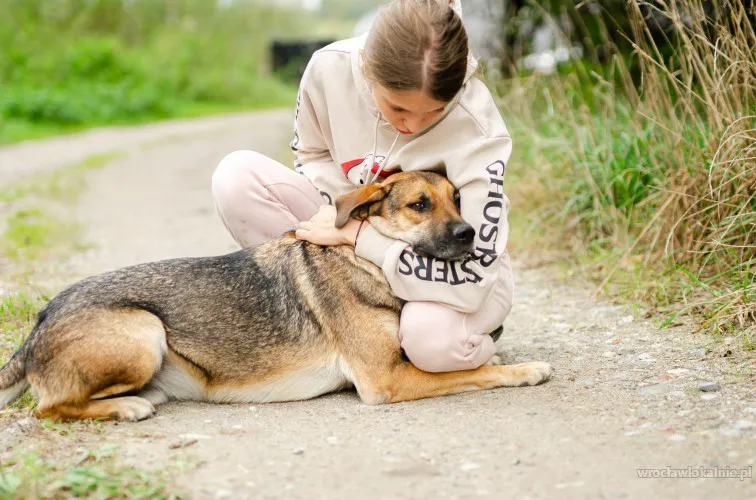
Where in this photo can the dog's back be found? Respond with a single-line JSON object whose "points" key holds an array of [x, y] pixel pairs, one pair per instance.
{"points": [[236, 308]]}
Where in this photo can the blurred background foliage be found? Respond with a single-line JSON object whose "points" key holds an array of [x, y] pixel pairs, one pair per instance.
{"points": [[74, 63]]}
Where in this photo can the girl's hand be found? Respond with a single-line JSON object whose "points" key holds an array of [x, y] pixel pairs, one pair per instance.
{"points": [[320, 229]]}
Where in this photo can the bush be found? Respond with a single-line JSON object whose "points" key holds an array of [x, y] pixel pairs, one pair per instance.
{"points": [[71, 63]]}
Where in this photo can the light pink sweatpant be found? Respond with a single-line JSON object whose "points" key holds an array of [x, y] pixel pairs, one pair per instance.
{"points": [[259, 199]]}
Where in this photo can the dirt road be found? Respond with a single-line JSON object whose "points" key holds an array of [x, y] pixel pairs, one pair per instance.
{"points": [[625, 396]]}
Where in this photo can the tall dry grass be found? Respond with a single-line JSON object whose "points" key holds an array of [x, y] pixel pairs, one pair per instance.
{"points": [[649, 161]]}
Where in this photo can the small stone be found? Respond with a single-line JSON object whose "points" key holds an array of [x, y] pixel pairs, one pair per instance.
{"points": [[586, 382], [730, 432], [709, 397], [606, 309], [654, 390], [253, 408], [25, 423], [617, 494], [751, 409], [744, 424], [469, 466], [237, 427], [574, 484], [729, 340], [332, 440], [646, 358], [298, 451], [678, 371], [699, 353], [193, 436], [676, 395], [516, 461], [626, 319], [610, 354], [708, 386], [182, 443], [676, 438]]}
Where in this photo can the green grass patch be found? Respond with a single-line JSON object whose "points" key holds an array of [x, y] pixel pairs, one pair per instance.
{"points": [[95, 475], [30, 233], [33, 228]]}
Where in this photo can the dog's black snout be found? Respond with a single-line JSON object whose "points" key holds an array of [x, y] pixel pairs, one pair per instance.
{"points": [[464, 233]]}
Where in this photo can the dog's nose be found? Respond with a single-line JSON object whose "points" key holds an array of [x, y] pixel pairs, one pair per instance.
{"points": [[464, 233]]}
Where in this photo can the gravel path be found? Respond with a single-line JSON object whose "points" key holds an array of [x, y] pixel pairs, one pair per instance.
{"points": [[626, 396]]}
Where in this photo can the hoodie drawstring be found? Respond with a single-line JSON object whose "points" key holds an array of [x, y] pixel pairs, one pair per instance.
{"points": [[367, 179]]}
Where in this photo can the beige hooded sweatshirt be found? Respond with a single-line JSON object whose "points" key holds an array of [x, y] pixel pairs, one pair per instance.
{"points": [[339, 133]]}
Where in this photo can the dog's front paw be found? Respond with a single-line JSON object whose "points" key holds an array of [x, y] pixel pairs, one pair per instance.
{"points": [[534, 372]]}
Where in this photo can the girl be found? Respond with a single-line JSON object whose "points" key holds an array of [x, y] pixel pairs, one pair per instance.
{"points": [[402, 97]]}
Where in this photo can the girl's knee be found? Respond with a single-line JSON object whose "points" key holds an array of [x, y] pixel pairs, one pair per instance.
{"points": [[435, 339], [233, 176]]}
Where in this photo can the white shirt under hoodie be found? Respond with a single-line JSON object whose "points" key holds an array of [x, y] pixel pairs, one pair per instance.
{"points": [[339, 133]]}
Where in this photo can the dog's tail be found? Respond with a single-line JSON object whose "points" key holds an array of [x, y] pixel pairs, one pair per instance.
{"points": [[13, 378]]}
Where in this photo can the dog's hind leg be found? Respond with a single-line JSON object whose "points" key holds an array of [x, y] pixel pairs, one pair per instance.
{"points": [[82, 363]]}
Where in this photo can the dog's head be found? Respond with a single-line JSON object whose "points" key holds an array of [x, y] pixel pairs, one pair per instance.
{"points": [[420, 208]]}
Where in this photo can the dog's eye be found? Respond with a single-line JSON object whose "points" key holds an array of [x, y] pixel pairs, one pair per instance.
{"points": [[457, 199], [418, 206]]}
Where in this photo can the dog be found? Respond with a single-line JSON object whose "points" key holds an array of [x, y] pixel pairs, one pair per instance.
{"points": [[286, 320]]}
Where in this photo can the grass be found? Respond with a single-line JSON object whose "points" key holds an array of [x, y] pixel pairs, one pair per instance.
{"points": [[34, 227], [95, 475], [644, 169]]}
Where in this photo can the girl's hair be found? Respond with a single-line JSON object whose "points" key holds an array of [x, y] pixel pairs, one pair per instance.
{"points": [[418, 45]]}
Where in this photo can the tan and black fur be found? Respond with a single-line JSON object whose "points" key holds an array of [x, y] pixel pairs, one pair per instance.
{"points": [[287, 320]]}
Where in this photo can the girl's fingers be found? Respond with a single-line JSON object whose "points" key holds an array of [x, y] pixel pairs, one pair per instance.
{"points": [[301, 234], [305, 225]]}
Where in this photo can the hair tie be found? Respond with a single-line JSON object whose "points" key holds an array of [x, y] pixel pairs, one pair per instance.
{"points": [[358, 233]]}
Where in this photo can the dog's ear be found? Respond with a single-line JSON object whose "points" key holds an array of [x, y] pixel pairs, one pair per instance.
{"points": [[359, 204]]}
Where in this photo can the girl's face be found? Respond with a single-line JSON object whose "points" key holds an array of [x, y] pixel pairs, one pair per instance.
{"points": [[409, 111]]}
